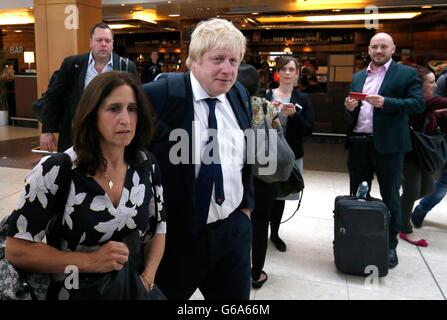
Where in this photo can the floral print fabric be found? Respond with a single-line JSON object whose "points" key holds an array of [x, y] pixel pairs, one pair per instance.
{"points": [[89, 217]]}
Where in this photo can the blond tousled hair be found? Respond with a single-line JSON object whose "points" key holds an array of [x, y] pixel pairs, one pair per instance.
{"points": [[215, 34]]}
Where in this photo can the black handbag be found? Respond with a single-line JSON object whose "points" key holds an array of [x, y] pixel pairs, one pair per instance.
{"points": [[124, 284], [430, 150], [294, 184]]}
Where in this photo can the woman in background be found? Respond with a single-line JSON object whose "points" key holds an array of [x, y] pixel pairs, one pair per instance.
{"points": [[297, 118], [417, 183]]}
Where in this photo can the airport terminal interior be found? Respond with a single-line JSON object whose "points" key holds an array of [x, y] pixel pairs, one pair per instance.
{"points": [[334, 49]]}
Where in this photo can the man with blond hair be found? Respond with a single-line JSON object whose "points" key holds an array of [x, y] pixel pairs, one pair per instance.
{"points": [[209, 229]]}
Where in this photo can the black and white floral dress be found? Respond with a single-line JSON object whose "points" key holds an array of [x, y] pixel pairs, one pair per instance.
{"points": [[89, 219]]}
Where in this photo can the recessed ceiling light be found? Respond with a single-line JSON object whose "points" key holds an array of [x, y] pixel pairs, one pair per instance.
{"points": [[336, 10], [123, 4], [17, 30], [255, 13], [174, 15], [426, 7]]}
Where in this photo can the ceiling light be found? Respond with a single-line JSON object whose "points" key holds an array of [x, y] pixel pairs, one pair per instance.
{"points": [[353, 17], [123, 4], [426, 7], [18, 31], [341, 17], [147, 15], [169, 1], [336, 10], [174, 15], [16, 17], [255, 13], [121, 26]]}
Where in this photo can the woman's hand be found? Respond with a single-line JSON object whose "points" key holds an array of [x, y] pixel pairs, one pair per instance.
{"points": [[147, 281], [288, 109], [277, 104], [111, 256]]}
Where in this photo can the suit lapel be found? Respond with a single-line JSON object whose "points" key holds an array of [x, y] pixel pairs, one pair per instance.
{"points": [[116, 62], [386, 81], [190, 169], [82, 69], [233, 98], [361, 81]]}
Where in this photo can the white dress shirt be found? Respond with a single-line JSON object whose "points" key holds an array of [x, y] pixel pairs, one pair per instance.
{"points": [[91, 71], [232, 148]]}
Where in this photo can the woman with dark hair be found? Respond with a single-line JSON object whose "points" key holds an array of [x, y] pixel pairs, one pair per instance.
{"points": [[114, 191], [417, 183], [297, 118]]}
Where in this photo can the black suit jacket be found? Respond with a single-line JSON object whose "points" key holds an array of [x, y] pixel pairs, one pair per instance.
{"points": [[179, 179], [300, 124], [402, 91], [63, 95]]}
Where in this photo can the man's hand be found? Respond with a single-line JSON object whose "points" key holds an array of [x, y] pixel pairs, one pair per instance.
{"points": [[376, 101], [351, 104], [48, 142]]}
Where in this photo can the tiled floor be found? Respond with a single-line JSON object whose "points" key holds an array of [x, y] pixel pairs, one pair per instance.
{"points": [[307, 270]]}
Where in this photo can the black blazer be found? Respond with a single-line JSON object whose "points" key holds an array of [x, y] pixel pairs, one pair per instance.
{"points": [[300, 124], [179, 179], [63, 95], [402, 91]]}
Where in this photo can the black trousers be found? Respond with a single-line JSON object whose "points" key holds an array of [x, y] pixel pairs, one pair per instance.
{"points": [[216, 260], [363, 162], [415, 184], [260, 218]]}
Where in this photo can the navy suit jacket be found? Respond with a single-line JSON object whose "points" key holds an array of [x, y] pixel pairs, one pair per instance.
{"points": [[64, 93], [402, 91], [179, 179]]}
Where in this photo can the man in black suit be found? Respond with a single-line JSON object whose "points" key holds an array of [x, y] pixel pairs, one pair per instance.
{"points": [[209, 231], [151, 69], [76, 72], [379, 135]]}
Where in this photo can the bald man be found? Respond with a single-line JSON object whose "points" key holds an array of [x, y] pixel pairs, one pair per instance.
{"points": [[379, 135]]}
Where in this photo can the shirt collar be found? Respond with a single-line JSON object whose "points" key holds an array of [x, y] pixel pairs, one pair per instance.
{"points": [[386, 66], [199, 93], [91, 60]]}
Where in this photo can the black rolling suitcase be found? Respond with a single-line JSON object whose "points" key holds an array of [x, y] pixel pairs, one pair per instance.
{"points": [[361, 235]]}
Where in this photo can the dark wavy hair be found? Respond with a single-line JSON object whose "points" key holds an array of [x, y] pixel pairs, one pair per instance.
{"points": [[422, 72], [86, 134]]}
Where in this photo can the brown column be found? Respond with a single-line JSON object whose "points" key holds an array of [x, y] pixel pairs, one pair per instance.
{"points": [[54, 38]]}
